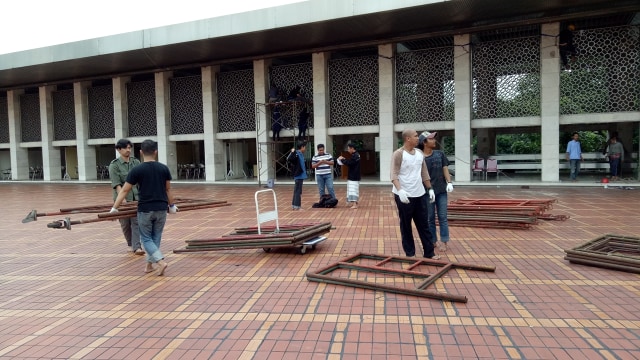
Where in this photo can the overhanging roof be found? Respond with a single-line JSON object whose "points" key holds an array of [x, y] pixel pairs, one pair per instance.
{"points": [[285, 30]]}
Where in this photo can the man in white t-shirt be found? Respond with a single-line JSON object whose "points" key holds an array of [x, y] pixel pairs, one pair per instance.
{"points": [[408, 174]]}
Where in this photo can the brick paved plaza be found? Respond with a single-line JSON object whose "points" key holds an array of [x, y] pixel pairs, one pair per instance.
{"points": [[80, 295]]}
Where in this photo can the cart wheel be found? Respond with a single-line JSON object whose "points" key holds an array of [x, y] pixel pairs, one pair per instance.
{"points": [[313, 247], [266, 250], [303, 250]]}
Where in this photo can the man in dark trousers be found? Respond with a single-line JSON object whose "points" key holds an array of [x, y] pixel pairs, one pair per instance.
{"points": [[296, 161], [154, 181], [566, 47], [118, 171], [410, 178]]}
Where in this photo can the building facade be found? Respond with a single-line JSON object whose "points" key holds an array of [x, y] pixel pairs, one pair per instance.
{"points": [[366, 71]]}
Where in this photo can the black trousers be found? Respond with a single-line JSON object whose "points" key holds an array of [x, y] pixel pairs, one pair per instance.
{"points": [[415, 210]]}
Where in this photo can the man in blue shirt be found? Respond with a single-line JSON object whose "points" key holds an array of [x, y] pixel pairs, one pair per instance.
{"points": [[574, 155], [296, 160]]}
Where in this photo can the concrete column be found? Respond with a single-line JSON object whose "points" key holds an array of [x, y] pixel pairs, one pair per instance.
{"points": [[387, 141], [625, 135], [121, 109], [320, 63], [51, 166], [266, 154], [166, 149], [86, 153], [19, 155], [550, 103], [463, 106], [213, 149]]}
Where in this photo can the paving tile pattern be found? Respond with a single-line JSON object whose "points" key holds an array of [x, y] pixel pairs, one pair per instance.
{"points": [[80, 295]]}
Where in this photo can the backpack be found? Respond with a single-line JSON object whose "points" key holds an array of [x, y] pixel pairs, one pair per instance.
{"points": [[326, 201]]}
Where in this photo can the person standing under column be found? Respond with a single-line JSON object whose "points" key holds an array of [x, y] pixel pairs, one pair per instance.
{"points": [[615, 152], [154, 181], [323, 162], [438, 167], [574, 155], [410, 177], [118, 170], [296, 161], [353, 177]]}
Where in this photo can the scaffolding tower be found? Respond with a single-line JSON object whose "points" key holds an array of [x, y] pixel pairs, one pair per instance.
{"points": [[270, 166]]}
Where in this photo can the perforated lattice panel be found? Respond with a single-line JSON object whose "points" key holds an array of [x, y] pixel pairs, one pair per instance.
{"points": [[506, 78], [605, 76], [424, 86], [141, 99], [64, 115], [236, 101], [287, 77], [186, 105], [30, 117], [101, 118], [353, 89], [4, 121]]}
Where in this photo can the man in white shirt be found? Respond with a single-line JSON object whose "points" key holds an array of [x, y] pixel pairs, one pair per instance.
{"points": [[408, 174]]}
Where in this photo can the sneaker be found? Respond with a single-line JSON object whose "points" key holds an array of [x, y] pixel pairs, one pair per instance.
{"points": [[139, 252]]}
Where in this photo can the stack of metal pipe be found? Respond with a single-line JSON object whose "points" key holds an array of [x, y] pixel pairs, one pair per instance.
{"points": [[608, 251], [500, 213]]}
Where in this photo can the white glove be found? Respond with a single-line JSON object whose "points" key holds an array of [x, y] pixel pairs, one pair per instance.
{"points": [[173, 209], [449, 187], [113, 210], [404, 196], [432, 195]]}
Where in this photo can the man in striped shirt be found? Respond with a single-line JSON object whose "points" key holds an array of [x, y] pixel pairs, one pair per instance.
{"points": [[322, 162]]}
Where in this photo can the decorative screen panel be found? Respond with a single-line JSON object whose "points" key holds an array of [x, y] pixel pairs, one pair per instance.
{"points": [[236, 101], [30, 117], [4, 121], [186, 105], [287, 77], [353, 89], [141, 103], [604, 77], [101, 118], [64, 115], [424, 86], [506, 78]]}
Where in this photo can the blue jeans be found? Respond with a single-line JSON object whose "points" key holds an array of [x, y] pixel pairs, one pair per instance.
{"points": [[325, 180], [575, 168], [151, 225], [439, 207], [614, 164]]}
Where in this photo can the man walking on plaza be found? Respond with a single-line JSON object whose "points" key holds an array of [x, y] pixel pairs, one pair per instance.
{"points": [[322, 162], [118, 170], [574, 155], [154, 181], [410, 178]]}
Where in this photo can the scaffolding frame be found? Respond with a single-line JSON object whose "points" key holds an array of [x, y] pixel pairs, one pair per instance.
{"points": [[289, 117]]}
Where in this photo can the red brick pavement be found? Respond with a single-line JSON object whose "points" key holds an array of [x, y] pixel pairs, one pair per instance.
{"points": [[80, 295]]}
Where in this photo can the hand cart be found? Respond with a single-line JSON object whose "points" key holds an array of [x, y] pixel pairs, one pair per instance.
{"points": [[300, 236]]}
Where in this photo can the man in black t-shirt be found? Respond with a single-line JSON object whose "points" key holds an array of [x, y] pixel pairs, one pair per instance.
{"points": [[154, 183]]}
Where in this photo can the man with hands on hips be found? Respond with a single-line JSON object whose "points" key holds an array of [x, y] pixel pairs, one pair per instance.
{"points": [[154, 183], [410, 178]]}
